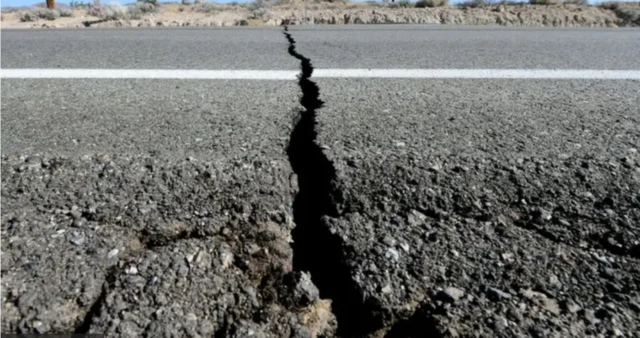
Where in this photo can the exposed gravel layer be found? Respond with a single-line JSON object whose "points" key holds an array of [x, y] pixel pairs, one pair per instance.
{"points": [[73, 229]]}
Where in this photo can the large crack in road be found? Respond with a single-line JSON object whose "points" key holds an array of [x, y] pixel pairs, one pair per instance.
{"points": [[315, 248]]}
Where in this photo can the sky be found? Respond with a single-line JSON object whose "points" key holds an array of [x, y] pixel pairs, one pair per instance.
{"points": [[33, 2]]}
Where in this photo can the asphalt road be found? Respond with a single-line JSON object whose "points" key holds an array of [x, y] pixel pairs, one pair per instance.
{"points": [[360, 46], [446, 208]]}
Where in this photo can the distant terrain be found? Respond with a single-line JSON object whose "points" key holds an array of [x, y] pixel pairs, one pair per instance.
{"points": [[276, 13]]}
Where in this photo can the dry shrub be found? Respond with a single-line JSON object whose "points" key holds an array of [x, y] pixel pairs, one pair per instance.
{"points": [[544, 2], [630, 15], [474, 3], [612, 5], [139, 9], [432, 3], [39, 13]]}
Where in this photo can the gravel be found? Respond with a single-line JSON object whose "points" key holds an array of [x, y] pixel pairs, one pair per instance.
{"points": [[466, 215], [496, 195]]}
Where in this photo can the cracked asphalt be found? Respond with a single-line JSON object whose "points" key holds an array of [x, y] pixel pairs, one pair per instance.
{"points": [[321, 208]]}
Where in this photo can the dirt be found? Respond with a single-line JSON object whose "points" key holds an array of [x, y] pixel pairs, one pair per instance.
{"points": [[565, 15]]}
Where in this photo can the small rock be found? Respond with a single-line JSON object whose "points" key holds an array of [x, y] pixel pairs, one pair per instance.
{"points": [[541, 215], [388, 240], [500, 323], [132, 270], [203, 259], [161, 299], [400, 144], [226, 258], [183, 270], [497, 295], [305, 292], [404, 247], [58, 233], [77, 240], [415, 217], [530, 294], [113, 253], [386, 289], [590, 317], [551, 305], [392, 254], [451, 294], [191, 317], [572, 307], [154, 280], [507, 256], [190, 257], [514, 313], [435, 168]]}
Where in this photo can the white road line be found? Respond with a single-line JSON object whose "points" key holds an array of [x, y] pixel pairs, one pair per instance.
{"points": [[587, 74], [480, 74], [149, 74]]}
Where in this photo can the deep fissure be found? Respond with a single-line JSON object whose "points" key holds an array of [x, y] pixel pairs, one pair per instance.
{"points": [[315, 249]]}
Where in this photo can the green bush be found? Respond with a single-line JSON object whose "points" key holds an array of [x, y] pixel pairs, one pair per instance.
{"points": [[432, 3]]}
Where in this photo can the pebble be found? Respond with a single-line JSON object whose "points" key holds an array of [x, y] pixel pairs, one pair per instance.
{"points": [[451, 294], [496, 294], [551, 305], [542, 215], [435, 168], [305, 291], [392, 254], [415, 217], [132, 270], [227, 258], [77, 240], [500, 323], [388, 240], [113, 253], [58, 233], [590, 317], [572, 307]]}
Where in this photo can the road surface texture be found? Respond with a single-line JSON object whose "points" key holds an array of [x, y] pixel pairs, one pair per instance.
{"points": [[322, 207]]}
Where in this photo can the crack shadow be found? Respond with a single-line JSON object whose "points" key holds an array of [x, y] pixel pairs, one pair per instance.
{"points": [[94, 311], [315, 248]]}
